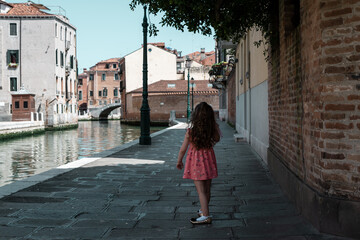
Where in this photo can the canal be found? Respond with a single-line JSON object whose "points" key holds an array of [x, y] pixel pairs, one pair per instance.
{"points": [[24, 157]]}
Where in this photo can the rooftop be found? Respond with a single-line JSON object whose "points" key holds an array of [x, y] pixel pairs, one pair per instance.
{"points": [[178, 86], [26, 9]]}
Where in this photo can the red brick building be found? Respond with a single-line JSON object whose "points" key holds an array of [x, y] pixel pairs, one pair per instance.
{"points": [[167, 95], [104, 83], [314, 111]]}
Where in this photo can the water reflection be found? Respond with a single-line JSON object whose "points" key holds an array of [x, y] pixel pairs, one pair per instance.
{"points": [[20, 158]]}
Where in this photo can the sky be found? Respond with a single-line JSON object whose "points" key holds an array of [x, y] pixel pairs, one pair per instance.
{"points": [[109, 28]]}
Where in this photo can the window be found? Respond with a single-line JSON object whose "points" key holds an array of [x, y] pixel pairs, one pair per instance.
{"points": [[17, 104], [91, 77], [210, 85], [100, 93], [107, 66], [80, 81], [91, 103], [12, 57], [56, 57], [13, 29], [105, 102], [61, 33], [56, 33], [114, 65], [115, 92], [100, 102], [116, 76], [80, 95], [25, 104], [105, 92], [103, 76], [71, 61], [171, 85], [61, 59], [13, 84], [91, 93]]}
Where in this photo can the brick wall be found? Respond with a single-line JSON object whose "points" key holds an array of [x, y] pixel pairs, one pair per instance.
{"points": [[314, 98], [161, 105]]}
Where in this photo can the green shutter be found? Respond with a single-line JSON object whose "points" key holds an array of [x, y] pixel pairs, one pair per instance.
{"points": [[8, 57]]}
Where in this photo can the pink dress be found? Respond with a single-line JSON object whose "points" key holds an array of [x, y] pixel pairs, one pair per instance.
{"points": [[200, 164]]}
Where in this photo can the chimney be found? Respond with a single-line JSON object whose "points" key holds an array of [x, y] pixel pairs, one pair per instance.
{"points": [[202, 53]]}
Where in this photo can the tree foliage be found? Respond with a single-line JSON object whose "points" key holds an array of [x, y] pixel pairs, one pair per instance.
{"points": [[225, 19]]}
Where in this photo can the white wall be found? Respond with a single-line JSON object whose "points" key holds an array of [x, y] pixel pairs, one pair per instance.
{"points": [[252, 120], [37, 70], [198, 71], [161, 66]]}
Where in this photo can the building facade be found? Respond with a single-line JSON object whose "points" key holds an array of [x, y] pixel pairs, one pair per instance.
{"points": [[83, 91], [39, 53], [161, 66], [314, 111], [103, 84], [251, 85], [300, 110]]}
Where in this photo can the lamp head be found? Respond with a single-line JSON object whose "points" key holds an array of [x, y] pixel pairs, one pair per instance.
{"points": [[188, 62]]}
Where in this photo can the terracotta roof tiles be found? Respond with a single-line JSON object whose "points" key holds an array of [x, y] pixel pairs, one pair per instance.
{"points": [[25, 9], [178, 87]]}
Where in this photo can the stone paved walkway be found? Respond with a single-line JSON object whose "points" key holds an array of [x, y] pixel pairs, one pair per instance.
{"points": [[138, 193]]}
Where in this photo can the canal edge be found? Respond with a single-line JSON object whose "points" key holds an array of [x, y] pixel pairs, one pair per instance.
{"points": [[18, 185]]}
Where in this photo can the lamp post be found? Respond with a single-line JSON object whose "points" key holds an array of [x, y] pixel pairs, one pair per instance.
{"points": [[145, 138], [192, 94], [188, 64]]}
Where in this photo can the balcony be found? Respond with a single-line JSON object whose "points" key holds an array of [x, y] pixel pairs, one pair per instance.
{"points": [[220, 72], [12, 65]]}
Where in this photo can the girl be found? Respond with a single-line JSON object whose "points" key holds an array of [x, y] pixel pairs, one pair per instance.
{"points": [[202, 134]]}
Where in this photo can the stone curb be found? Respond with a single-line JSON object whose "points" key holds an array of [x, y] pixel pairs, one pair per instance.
{"points": [[35, 179]]}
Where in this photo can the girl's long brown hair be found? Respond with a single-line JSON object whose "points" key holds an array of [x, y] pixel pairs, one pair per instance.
{"points": [[203, 127]]}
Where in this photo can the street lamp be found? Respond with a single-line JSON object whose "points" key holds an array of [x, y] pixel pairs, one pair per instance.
{"points": [[188, 64], [192, 94], [145, 138]]}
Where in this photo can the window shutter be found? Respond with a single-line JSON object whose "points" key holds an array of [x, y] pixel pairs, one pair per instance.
{"points": [[8, 57]]}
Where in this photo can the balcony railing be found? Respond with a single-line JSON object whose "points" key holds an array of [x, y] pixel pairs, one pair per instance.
{"points": [[219, 73]]}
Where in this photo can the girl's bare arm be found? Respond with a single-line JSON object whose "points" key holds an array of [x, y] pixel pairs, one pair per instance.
{"points": [[182, 151]]}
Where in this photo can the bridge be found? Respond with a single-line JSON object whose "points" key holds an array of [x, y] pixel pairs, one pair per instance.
{"points": [[103, 112]]}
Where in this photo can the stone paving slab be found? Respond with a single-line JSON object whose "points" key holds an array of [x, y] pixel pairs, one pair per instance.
{"points": [[136, 192]]}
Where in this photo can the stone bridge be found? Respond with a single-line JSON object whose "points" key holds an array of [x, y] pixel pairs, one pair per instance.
{"points": [[103, 112]]}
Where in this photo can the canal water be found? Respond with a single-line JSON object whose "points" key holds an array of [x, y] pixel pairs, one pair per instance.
{"points": [[23, 157]]}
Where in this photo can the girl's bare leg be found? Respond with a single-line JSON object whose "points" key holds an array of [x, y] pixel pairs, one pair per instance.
{"points": [[208, 190], [203, 196]]}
